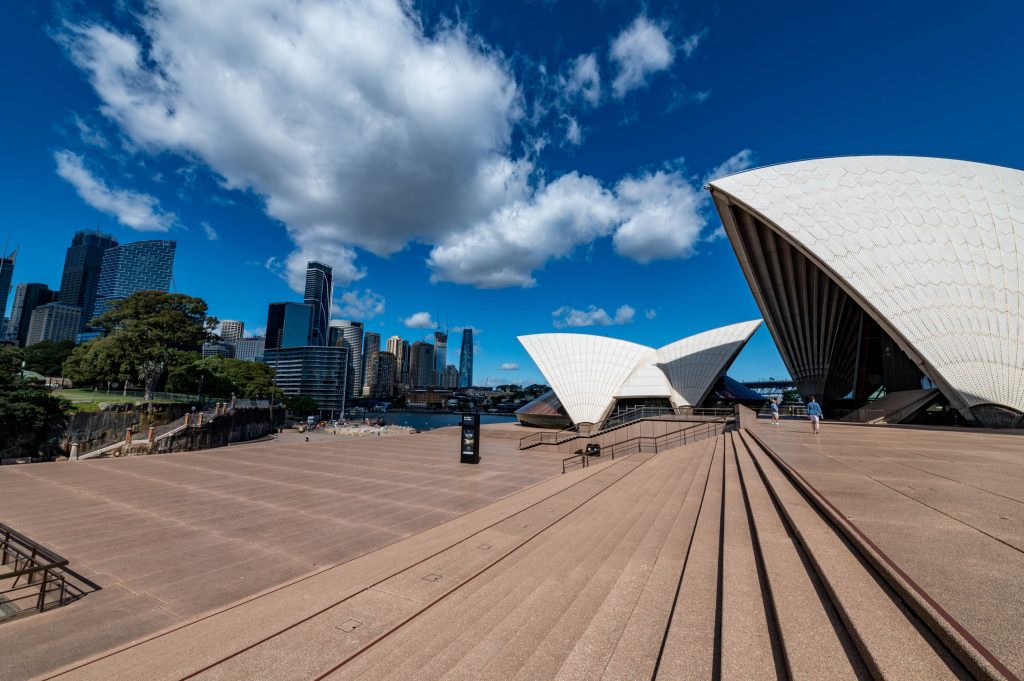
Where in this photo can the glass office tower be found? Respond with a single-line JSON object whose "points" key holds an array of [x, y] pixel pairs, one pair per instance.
{"points": [[82, 266], [319, 284], [134, 267], [466, 359]]}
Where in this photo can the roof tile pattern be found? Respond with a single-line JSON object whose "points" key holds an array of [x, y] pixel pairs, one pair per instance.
{"points": [[589, 372], [934, 246]]}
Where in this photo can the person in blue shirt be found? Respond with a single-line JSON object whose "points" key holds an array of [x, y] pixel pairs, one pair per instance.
{"points": [[814, 413], [775, 412]]}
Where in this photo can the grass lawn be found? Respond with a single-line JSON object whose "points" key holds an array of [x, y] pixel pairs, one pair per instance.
{"points": [[84, 399]]}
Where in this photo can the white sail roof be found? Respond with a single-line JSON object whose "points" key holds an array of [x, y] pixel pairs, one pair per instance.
{"points": [[932, 247], [588, 372]]}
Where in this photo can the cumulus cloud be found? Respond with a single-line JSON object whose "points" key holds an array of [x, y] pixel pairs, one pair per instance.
{"points": [[650, 314], [505, 249], [583, 80], [419, 320], [738, 162], [356, 127], [132, 209], [665, 217], [211, 233], [365, 305], [592, 316], [641, 50], [573, 132], [509, 366], [256, 331]]}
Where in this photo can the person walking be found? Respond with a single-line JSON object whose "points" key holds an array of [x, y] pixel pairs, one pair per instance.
{"points": [[775, 412], [814, 413]]}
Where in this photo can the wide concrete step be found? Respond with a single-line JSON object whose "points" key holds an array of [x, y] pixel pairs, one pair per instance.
{"points": [[891, 640]]}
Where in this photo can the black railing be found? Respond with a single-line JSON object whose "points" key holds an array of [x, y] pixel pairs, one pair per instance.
{"points": [[32, 578], [649, 443], [621, 420]]}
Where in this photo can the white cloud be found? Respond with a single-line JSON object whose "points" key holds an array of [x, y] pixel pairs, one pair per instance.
{"points": [[583, 80], [573, 132], [132, 209], [419, 320], [738, 162], [211, 233], [256, 331], [639, 51], [650, 314], [689, 45], [355, 126], [593, 316], [665, 217], [509, 366], [518, 239], [359, 306], [89, 135]]}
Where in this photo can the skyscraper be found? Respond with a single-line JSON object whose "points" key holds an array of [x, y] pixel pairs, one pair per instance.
{"points": [[231, 331], [440, 356], [403, 364], [82, 265], [27, 297], [380, 373], [348, 334], [371, 344], [394, 346], [319, 284], [450, 379], [421, 365], [6, 274], [54, 322], [316, 372], [129, 268], [288, 325], [250, 349], [466, 359]]}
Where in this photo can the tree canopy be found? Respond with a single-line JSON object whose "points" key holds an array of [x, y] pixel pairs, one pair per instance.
{"points": [[47, 358], [143, 335], [29, 414], [220, 377]]}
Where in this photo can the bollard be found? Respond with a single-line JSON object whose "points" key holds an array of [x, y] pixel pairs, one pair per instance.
{"points": [[128, 436], [74, 451], [199, 421], [149, 433], [188, 419]]}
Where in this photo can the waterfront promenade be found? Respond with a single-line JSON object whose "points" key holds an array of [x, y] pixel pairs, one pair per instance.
{"points": [[768, 553]]}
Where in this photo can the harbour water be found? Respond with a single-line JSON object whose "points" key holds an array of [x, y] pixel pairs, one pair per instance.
{"points": [[421, 421]]}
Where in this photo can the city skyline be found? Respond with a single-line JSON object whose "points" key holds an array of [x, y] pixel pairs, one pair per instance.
{"points": [[604, 136]]}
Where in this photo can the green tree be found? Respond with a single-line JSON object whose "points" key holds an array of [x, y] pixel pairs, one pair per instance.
{"points": [[145, 330], [220, 377], [30, 415], [95, 363], [47, 357], [300, 405]]}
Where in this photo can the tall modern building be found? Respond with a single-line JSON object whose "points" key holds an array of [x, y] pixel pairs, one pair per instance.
{"points": [[440, 356], [348, 334], [466, 359], [380, 375], [6, 274], [319, 285], [250, 349], [134, 267], [312, 371], [54, 322], [393, 345], [288, 325], [450, 378], [371, 344], [82, 265], [226, 350], [231, 330], [27, 297], [403, 364], [421, 365]]}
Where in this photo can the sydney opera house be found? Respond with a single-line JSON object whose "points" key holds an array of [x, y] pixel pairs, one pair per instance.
{"points": [[891, 273], [592, 377]]}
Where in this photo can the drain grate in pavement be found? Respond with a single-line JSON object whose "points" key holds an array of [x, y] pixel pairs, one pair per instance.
{"points": [[349, 625], [432, 578]]}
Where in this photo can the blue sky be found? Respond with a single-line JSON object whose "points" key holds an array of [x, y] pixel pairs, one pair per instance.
{"points": [[514, 167]]}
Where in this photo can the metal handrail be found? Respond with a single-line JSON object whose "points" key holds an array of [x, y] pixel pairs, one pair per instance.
{"points": [[653, 443], [41, 569], [634, 415]]}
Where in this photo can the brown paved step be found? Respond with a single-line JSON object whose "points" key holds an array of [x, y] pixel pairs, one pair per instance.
{"points": [[690, 644], [244, 624], [525, 616], [747, 625], [814, 639], [634, 652], [893, 643], [316, 646]]}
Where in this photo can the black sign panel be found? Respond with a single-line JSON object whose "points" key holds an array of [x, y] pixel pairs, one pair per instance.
{"points": [[469, 443]]}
